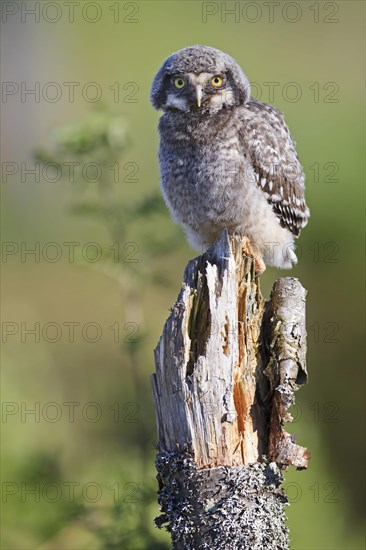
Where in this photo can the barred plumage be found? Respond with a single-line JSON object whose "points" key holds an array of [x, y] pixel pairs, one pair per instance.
{"points": [[278, 171]]}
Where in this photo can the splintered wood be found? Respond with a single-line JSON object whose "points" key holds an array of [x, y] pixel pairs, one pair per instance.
{"points": [[228, 363]]}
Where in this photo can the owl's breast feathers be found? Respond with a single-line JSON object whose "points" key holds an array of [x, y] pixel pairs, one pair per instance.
{"points": [[196, 145], [267, 141]]}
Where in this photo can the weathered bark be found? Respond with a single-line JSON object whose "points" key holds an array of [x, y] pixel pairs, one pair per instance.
{"points": [[227, 366]]}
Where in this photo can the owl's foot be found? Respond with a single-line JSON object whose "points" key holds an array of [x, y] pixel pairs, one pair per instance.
{"points": [[248, 250]]}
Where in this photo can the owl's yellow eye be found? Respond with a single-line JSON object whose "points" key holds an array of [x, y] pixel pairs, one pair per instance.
{"points": [[217, 81], [179, 83]]}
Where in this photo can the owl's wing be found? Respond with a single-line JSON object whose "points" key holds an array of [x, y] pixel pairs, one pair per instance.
{"points": [[278, 172]]}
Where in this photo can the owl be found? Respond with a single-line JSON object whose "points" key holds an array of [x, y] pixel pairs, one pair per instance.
{"points": [[226, 159]]}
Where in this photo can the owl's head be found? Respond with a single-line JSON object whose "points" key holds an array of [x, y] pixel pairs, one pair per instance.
{"points": [[200, 79]]}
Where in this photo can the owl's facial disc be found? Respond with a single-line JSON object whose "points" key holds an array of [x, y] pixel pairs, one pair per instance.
{"points": [[205, 91]]}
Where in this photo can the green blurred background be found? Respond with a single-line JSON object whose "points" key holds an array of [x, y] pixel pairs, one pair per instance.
{"points": [[88, 450]]}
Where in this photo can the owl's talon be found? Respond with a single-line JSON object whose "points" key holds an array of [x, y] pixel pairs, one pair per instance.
{"points": [[260, 266], [247, 250]]}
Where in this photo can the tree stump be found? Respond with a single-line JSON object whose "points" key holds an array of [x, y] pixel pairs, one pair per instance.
{"points": [[227, 366]]}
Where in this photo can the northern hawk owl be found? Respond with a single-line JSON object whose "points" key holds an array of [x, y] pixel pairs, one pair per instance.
{"points": [[227, 160]]}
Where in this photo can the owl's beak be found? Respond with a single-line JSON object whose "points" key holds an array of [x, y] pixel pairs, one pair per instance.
{"points": [[199, 95]]}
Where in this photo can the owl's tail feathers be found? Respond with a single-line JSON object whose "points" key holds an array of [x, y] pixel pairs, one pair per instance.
{"points": [[292, 258], [280, 255]]}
